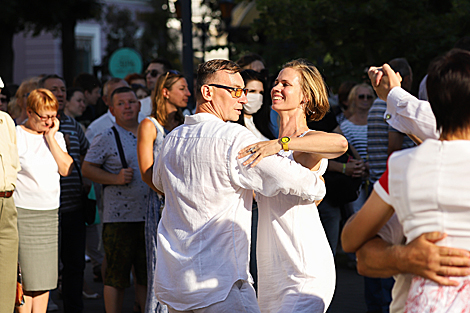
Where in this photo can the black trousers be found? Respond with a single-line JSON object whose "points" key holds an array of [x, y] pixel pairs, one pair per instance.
{"points": [[72, 254]]}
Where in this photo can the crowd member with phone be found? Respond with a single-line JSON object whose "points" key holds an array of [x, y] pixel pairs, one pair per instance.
{"points": [[43, 158]]}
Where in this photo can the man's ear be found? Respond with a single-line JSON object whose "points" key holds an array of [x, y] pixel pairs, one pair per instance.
{"points": [[206, 93], [111, 109]]}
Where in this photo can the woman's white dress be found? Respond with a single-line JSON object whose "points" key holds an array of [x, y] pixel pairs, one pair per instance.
{"points": [[296, 270]]}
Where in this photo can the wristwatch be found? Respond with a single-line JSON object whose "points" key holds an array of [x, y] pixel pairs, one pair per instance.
{"points": [[284, 142]]}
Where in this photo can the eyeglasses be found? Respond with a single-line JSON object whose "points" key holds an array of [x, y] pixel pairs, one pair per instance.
{"points": [[235, 92], [362, 97], [44, 118], [153, 73]]}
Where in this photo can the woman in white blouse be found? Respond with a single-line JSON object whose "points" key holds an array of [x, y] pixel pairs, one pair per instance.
{"points": [[427, 186], [43, 158], [296, 271]]}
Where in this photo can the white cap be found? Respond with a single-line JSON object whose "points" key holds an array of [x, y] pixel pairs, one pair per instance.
{"points": [[1, 83]]}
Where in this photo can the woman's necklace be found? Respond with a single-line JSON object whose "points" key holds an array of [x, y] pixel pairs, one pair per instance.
{"points": [[297, 130]]}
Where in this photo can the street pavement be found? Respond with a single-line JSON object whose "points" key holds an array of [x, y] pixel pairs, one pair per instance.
{"points": [[348, 298]]}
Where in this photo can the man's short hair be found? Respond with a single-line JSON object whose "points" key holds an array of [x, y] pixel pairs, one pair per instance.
{"points": [[448, 86], [121, 90], [86, 81], [166, 64], [206, 71], [112, 81], [42, 81], [401, 66]]}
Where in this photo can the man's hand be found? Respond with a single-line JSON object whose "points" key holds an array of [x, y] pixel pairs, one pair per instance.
{"points": [[383, 80], [422, 257], [125, 176]]}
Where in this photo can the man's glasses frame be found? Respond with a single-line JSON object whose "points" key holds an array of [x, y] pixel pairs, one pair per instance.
{"points": [[234, 91], [44, 118]]}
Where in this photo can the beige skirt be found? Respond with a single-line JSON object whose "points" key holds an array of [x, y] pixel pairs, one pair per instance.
{"points": [[38, 232]]}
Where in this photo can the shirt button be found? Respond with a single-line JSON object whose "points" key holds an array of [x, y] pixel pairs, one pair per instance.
{"points": [[388, 116], [1, 121]]}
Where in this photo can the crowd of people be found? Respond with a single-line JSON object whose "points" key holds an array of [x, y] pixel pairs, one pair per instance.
{"points": [[238, 204]]}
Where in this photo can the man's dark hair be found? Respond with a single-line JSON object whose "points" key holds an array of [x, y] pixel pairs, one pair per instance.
{"points": [[86, 81], [166, 64], [121, 90], [207, 70], [401, 66], [249, 75], [448, 87], [71, 91], [42, 81]]}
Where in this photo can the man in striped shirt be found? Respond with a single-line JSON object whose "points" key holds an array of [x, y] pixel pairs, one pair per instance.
{"points": [[71, 219]]}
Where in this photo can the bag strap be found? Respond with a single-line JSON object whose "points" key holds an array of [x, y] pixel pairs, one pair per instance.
{"points": [[119, 146]]}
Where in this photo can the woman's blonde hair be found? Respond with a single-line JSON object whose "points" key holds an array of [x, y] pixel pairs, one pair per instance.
{"points": [[42, 99], [159, 111], [313, 88], [353, 94], [23, 91]]}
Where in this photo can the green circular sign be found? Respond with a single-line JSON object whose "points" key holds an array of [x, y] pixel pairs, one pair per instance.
{"points": [[125, 61]]}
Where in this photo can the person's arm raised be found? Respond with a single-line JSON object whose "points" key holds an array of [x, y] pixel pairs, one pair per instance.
{"points": [[62, 158], [384, 79]]}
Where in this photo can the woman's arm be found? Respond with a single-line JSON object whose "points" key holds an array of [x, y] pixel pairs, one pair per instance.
{"points": [[365, 224], [146, 136], [319, 144], [63, 159]]}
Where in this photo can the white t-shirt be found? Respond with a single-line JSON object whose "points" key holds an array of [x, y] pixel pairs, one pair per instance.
{"points": [[38, 183]]}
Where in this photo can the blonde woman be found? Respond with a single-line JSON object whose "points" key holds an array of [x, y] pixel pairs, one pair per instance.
{"points": [[296, 271], [19, 113], [171, 94]]}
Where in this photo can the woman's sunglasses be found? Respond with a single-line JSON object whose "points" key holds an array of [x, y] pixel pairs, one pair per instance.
{"points": [[362, 97]]}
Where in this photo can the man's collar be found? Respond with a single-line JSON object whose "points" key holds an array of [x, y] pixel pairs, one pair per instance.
{"points": [[200, 117]]}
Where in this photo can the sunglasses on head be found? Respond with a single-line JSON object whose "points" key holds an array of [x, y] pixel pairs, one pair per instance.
{"points": [[235, 92], [362, 97]]}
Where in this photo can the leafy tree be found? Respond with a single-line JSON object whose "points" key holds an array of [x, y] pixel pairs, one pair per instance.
{"points": [[344, 37], [157, 40]]}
